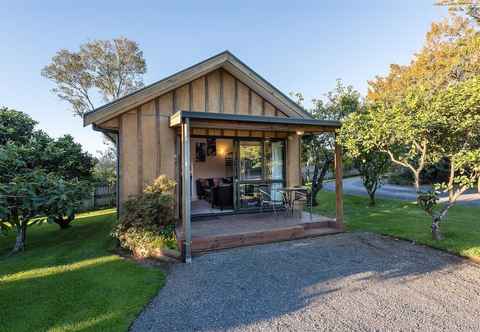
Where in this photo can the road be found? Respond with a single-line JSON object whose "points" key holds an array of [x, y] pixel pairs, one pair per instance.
{"points": [[354, 186]]}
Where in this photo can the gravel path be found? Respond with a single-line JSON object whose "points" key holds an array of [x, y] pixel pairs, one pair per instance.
{"points": [[351, 281], [354, 186]]}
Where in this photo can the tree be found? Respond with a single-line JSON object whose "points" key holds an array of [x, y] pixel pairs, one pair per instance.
{"points": [[429, 111], [65, 157], [109, 68], [105, 167], [318, 150], [457, 111], [20, 201], [370, 162], [40, 178], [471, 8], [15, 126], [63, 199]]}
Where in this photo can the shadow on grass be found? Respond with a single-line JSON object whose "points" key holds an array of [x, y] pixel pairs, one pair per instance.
{"points": [[68, 280], [71, 297]]}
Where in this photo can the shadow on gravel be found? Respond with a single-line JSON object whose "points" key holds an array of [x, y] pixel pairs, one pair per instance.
{"points": [[243, 286]]}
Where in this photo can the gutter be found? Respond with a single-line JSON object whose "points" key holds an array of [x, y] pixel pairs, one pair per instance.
{"points": [[114, 136]]}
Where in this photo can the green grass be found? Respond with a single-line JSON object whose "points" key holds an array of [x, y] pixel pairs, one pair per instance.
{"points": [[405, 220], [70, 280]]}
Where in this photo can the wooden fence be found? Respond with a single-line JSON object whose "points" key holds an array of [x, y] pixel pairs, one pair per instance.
{"points": [[102, 197]]}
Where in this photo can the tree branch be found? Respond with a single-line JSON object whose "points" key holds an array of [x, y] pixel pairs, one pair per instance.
{"points": [[399, 162]]}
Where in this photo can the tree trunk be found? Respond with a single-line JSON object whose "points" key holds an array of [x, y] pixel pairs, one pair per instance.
{"points": [[21, 237], [371, 195], [436, 234], [317, 180], [417, 182], [64, 223], [315, 187]]}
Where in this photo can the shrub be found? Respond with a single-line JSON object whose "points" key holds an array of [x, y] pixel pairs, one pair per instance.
{"points": [[64, 200], [147, 221]]}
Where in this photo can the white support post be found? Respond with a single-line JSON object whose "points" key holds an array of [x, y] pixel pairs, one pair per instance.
{"points": [[186, 192]]}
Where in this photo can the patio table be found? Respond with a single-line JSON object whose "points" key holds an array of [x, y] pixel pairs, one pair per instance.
{"points": [[289, 194]]}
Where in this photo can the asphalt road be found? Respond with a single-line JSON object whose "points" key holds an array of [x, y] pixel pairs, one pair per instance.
{"points": [[354, 186], [345, 282]]}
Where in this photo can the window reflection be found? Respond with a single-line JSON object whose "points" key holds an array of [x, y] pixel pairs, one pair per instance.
{"points": [[251, 167]]}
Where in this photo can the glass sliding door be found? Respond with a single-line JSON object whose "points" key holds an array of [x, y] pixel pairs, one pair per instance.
{"points": [[250, 173], [260, 166], [274, 162], [251, 160]]}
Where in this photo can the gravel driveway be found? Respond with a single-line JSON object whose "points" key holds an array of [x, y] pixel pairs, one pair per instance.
{"points": [[355, 281]]}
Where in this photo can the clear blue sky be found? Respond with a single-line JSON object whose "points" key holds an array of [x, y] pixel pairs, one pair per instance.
{"points": [[297, 46]]}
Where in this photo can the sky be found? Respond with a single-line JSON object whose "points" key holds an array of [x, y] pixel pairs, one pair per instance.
{"points": [[296, 45]]}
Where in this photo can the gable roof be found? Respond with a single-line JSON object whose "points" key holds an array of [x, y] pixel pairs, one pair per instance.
{"points": [[224, 60]]}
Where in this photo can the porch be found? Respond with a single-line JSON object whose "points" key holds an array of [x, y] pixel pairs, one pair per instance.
{"points": [[266, 154], [230, 231]]}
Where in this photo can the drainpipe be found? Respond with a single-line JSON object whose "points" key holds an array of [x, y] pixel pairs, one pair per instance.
{"points": [[114, 137]]}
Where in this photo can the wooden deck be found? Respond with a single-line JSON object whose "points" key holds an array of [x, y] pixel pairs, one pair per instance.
{"points": [[229, 231]]}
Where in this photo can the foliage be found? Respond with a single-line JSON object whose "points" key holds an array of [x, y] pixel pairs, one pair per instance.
{"points": [[432, 173], [147, 220], [105, 166], [372, 167], [16, 127], [64, 157], [21, 199], [111, 68], [63, 199], [67, 279], [318, 150], [429, 110], [370, 162], [40, 178], [470, 8]]}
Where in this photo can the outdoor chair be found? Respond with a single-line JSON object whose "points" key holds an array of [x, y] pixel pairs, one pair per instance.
{"points": [[266, 200], [304, 198]]}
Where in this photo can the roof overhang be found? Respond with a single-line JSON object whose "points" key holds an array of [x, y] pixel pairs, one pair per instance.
{"points": [[253, 122], [224, 60]]}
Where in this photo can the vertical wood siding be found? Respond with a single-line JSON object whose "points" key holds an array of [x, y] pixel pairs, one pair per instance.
{"points": [[148, 143]]}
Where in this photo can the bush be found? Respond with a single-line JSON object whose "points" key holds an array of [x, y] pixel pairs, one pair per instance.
{"points": [[148, 220], [64, 200]]}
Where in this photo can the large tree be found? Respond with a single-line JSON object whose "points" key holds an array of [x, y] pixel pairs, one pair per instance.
{"points": [[109, 68], [318, 150], [429, 110], [39, 176]]}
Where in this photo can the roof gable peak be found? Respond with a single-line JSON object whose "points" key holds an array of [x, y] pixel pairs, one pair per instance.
{"points": [[225, 60]]}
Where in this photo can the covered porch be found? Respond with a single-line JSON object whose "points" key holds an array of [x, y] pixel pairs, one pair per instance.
{"points": [[242, 227]]}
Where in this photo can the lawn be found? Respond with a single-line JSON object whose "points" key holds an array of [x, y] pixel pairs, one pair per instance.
{"points": [[405, 220], [70, 280]]}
